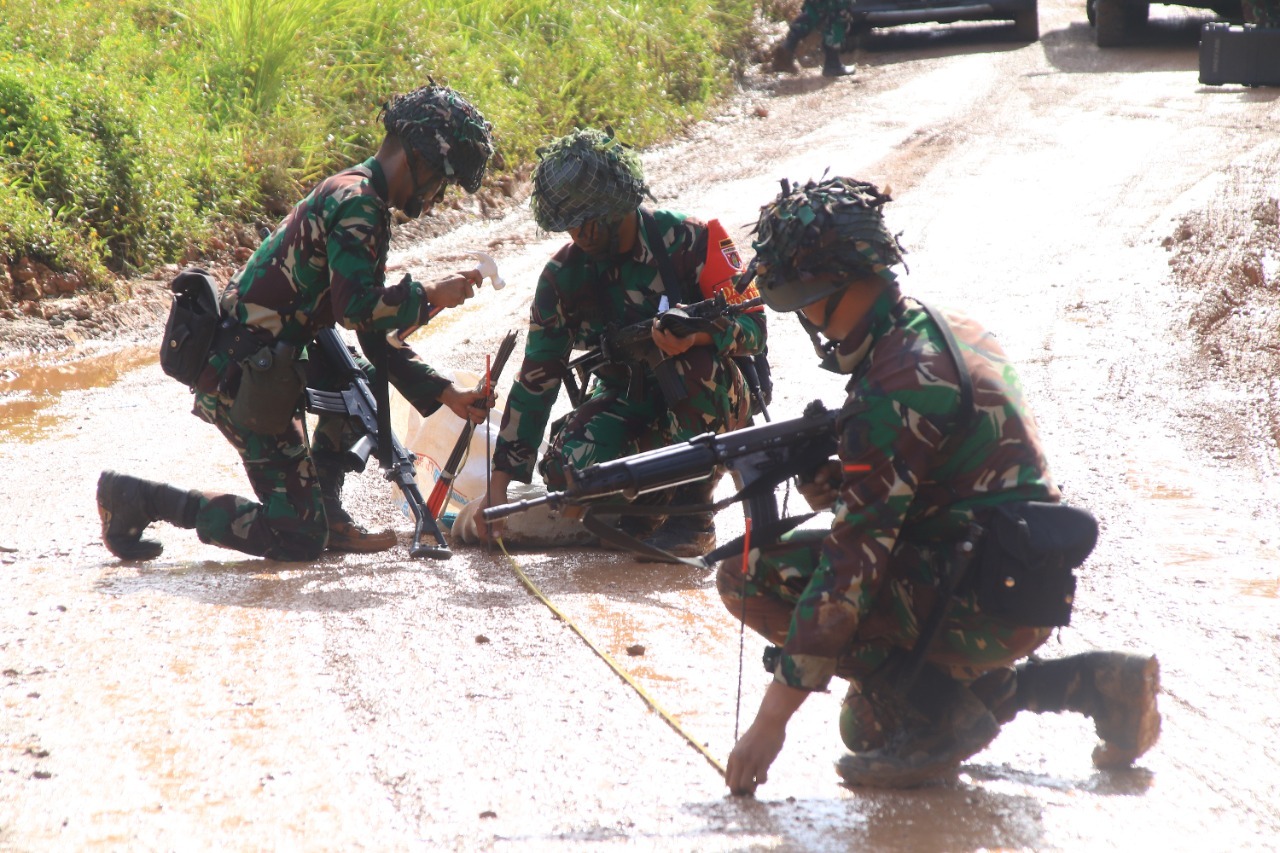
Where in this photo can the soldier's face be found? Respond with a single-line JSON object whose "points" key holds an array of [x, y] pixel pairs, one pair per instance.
{"points": [[428, 188], [595, 237]]}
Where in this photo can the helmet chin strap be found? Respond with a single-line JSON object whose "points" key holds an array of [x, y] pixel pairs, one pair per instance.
{"points": [[825, 350]]}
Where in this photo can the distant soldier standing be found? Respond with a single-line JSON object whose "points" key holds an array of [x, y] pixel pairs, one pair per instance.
{"points": [[324, 265], [936, 446], [611, 274], [838, 21]]}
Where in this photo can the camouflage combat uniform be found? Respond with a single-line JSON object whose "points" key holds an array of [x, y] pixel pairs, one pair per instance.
{"points": [[838, 21], [324, 265], [839, 603], [577, 298]]}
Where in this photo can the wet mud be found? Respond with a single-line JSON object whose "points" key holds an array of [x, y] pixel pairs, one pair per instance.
{"points": [[1110, 219]]}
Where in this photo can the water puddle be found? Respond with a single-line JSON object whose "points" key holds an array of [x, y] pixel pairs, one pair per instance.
{"points": [[29, 388]]}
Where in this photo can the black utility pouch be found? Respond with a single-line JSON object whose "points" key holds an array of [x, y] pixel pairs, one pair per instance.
{"points": [[1025, 569], [192, 324], [271, 383]]}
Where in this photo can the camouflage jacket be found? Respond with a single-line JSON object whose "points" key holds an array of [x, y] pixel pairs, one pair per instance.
{"points": [[577, 299], [325, 264], [914, 471]]}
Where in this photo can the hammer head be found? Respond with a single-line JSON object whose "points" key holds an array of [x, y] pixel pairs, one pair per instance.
{"points": [[487, 268]]}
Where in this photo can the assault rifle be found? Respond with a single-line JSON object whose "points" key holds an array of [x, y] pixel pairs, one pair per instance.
{"points": [[632, 345], [760, 458], [358, 403]]}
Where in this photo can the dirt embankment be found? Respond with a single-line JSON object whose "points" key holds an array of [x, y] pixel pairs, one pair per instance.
{"points": [[1228, 253]]}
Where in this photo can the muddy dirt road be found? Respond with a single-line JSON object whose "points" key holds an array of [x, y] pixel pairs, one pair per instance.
{"points": [[204, 700]]}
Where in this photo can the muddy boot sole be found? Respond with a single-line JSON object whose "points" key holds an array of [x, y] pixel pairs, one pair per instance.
{"points": [[122, 508], [1134, 727]]}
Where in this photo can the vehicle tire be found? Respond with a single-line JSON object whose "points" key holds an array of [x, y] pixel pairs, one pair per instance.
{"points": [[1089, 13], [1111, 23], [1026, 23]]}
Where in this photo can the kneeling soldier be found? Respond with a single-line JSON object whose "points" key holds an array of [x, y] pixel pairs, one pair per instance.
{"points": [[924, 465]]}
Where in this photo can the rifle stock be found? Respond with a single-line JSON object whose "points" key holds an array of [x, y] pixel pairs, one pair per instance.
{"points": [[356, 401]]}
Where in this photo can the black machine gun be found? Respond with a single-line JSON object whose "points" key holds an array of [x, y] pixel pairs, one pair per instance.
{"points": [[630, 346], [357, 402], [760, 458]]}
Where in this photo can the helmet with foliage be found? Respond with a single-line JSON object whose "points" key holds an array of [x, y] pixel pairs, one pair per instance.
{"points": [[813, 240], [587, 174], [443, 128]]}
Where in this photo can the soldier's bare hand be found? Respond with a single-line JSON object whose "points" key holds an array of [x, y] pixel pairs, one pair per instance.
{"points": [[471, 406], [823, 489], [674, 345], [749, 762], [452, 290]]}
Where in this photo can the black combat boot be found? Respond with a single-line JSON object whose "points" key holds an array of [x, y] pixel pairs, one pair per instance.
{"points": [[344, 533], [1116, 690], [689, 535], [832, 65], [128, 504], [784, 55], [926, 733]]}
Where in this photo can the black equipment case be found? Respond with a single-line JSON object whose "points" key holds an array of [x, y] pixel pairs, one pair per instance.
{"points": [[1246, 55]]}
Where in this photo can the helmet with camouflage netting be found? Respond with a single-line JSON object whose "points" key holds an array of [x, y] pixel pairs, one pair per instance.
{"points": [[587, 174], [813, 240], [443, 128]]}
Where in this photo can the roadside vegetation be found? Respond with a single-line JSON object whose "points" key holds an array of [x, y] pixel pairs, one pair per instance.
{"points": [[133, 131]]}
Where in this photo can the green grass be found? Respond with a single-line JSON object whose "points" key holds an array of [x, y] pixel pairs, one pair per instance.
{"points": [[133, 130]]}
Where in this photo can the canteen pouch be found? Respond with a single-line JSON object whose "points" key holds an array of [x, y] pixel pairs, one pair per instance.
{"points": [[192, 324], [271, 383], [1025, 571]]}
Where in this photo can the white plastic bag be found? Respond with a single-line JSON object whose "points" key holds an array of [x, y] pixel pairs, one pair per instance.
{"points": [[433, 439]]}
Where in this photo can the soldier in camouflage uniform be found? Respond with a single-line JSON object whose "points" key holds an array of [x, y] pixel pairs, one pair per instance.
{"points": [[839, 22], [324, 265], [590, 185], [915, 471]]}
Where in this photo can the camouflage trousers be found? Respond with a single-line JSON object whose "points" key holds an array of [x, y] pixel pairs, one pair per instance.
{"points": [[837, 20], [287, 520], [969, 646], [609, 424]]}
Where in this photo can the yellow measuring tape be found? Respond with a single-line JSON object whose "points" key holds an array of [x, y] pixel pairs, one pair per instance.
{"points": [[607, 658]]}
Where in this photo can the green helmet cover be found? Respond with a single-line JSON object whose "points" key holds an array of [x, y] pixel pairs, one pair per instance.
{"points": [[832, 228], [444, 129], [587, 174]]}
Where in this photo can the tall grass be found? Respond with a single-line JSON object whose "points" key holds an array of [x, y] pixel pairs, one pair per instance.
{"points": [[130, 130]]}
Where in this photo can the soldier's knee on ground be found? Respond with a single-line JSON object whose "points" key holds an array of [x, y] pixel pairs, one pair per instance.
{"points": [[860, 731]]}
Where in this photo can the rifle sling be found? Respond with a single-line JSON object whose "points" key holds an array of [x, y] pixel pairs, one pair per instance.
{"points": [[950, 582], [670, 281]]}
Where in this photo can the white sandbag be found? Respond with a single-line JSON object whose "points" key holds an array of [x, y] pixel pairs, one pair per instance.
{"points": [[433, 439], [540, 527]]}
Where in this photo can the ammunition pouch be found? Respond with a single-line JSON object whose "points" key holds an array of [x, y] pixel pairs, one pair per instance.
{"points": [[192, 324], [271, 384], [1025, 564]]}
